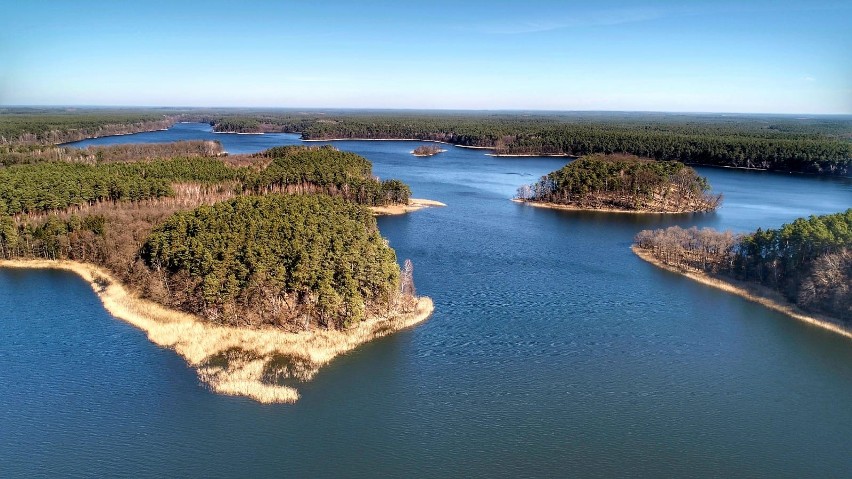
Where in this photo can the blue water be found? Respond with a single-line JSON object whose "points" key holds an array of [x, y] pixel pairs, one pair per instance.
{"points": [[553, 351]]}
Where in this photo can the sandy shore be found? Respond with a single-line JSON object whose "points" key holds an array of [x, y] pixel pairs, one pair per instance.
{"points": [[414, 204], [559, 206], [231, 360], [752, 292]]}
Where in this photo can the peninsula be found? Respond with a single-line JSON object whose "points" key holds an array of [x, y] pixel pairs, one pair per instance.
{"points": [[621, 183], [258, 269], [802, 269]]}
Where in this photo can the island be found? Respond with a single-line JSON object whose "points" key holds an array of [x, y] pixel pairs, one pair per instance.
{"points": [[427, 150], [802, 269], [258, 269], [621, 183]]}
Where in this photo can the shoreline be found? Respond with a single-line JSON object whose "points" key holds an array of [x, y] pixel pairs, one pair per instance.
{"points": [[414, 204], [151, 130], [751, 292], [559, 206], [529, 155], [230, 360]]}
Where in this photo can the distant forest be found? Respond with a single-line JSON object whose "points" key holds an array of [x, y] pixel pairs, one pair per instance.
{"points": [[779, 143], [808, 261], [818, 145]]}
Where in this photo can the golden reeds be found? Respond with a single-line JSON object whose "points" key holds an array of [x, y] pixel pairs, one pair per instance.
{"points": [[231, 360]]}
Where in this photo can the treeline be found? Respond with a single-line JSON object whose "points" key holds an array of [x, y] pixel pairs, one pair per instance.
{"points": [[624, 182], [809, 261], [19, 154], [50, 126], [329, 170], [47, 186], [282, 260], [820, 146]]}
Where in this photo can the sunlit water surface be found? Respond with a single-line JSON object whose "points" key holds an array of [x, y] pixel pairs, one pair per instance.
{"points": [[553, 351]]}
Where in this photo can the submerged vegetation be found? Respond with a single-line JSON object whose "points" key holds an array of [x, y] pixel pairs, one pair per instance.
{"points": [[808, 261], [55, 185], [622, 182]]}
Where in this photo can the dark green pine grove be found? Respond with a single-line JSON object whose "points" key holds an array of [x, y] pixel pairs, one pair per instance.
{"points": [[809, 261], [623, 182], [276, 260]]}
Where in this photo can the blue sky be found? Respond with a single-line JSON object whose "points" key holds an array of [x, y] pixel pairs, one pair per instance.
{"points": [[717, 56]]}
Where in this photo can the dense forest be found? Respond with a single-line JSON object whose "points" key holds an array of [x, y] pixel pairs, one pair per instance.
{"points": [[19, 154], [819, 145], [192, 232], [55, 185], [623, 182], [780, 143], [808, 261], [54, 126], [276, 260]]}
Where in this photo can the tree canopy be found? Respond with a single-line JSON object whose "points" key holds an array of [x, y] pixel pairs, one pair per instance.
{"points": [[275, 258]]}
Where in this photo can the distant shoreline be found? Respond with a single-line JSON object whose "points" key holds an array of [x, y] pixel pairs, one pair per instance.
{"points": [[559, 206], [752, 292], [201, 342]]}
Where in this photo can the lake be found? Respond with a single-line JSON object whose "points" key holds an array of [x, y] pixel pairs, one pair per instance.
{"points": [[553, 351]]}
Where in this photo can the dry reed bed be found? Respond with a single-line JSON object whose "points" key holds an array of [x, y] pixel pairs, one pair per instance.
{"points": [[231, 360], [752, 292]]}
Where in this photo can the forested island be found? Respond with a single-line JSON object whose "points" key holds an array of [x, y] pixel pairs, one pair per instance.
{"points": [[803, 268], [424, 150], [622, 183], [274, 259]]}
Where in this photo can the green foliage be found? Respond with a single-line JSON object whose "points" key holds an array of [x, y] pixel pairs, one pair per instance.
{"points": [[45, 186], [324, 252], [624, 182], [809, 261], [55, 125], [779, 256], [770, 142], [58, 185], [343, 173]]}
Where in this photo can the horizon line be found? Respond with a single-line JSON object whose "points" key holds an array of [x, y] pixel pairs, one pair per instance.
{"points": [[403, 109]]}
